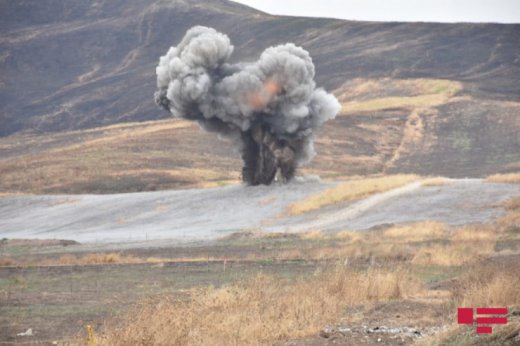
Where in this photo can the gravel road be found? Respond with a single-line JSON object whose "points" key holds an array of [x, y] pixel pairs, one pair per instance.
{"points": [[205, 214]]}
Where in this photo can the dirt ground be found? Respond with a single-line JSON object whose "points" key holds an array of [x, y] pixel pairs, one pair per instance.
{"points": [[58, 302], [51, 290]]}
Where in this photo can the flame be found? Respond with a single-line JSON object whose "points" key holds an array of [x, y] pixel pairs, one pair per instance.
{"points": [[260, 99], [272, 87]]}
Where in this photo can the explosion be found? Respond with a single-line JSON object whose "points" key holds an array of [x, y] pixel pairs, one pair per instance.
{"points": [[270, 108]]}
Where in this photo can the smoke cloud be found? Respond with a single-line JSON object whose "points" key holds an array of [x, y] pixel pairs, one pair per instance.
{"points": [[271, 107]]}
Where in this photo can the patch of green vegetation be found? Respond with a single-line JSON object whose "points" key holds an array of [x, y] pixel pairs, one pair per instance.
{"points": [[108, 184], [14, 250], [514, 230], [440, 86], [283, 242], [52, 311], [430, 274], [462, 141], [508, 244], [4, 283]]}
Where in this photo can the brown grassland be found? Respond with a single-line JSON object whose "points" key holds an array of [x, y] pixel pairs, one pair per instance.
{"points": [[382, 123], [511, 178], [427, 263], [479, 264], [422, 93]]}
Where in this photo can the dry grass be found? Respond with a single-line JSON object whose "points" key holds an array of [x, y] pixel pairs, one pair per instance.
{"points": [[413, 93], [260, 311], [7, 262], [420, 231], [435, 181], [73, 260], [101, 258], [409, 102], [454, 254], [9, 194], [267, 309], [509, 178], [513, 204], [426, 243], [350, 190], [490, 285], [466, 245], [364, 88], [510, 221], [95, 258], [37, 242], [121, 158], [314, 235], [171, 154]]}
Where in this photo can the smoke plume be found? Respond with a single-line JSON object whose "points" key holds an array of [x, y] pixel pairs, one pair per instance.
{"points": [[271, 107]]}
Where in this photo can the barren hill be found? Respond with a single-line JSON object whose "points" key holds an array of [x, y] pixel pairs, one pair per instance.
{"points": [[422, 97]]}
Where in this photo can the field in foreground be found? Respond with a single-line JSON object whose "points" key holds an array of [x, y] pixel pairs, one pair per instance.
{"points": [[399, 284]]}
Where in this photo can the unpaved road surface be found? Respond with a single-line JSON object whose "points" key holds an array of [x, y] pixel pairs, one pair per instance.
{"points": [[460, 201], [205, 214]]}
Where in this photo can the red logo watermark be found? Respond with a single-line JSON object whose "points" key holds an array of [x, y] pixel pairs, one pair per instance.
{"points": [[465, 316]]}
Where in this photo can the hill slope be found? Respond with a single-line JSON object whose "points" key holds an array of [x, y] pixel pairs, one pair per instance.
{"points": [[428, 98]]}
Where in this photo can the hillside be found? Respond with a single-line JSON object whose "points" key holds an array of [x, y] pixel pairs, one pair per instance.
{"points": [[418, 97]]}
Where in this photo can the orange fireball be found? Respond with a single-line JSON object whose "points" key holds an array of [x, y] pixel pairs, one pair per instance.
{"points": [[260, 99]]}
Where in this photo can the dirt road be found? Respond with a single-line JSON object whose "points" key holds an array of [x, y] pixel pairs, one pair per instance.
{"points": [[205, 214]]}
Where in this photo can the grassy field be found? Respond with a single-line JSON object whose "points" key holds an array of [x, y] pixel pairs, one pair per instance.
{"points": [[257, 288]]}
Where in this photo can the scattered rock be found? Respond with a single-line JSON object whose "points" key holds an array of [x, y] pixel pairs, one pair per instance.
{"points": [[28, 332], [325, 333], [344, 330]]}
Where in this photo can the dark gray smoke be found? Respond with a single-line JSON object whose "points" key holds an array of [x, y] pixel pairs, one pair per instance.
{"points": [[271, 106]]}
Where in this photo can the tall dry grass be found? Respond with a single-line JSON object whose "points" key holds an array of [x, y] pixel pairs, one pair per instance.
{"points": [[94, 258], [464, 245], [260, 311], [426, 243], [350, 190], [497, 288], [510, 178], [266, 309], [435, 181], [74, 260], [485, 285], [510, 221], [419, 231]]}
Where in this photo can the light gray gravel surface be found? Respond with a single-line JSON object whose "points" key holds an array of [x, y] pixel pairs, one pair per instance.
{"points": [[207, 214]]}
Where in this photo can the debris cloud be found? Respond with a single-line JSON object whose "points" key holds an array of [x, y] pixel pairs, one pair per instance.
{"points": [[271, 108]]}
